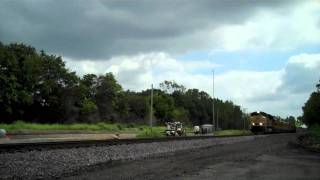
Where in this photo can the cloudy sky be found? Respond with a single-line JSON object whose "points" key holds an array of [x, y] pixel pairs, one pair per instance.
{"points": [[266, 54]]}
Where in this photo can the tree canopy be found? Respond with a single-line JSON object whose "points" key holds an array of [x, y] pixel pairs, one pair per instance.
{"points": [[311, 109], [37, 87]]}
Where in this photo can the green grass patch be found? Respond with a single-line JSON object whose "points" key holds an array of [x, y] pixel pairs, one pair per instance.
{"points": [[20, 125], [232, 132], [154, 132], [116, 127]]}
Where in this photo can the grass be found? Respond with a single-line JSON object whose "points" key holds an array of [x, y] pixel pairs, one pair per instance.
{"points": [[311, 140], [116, 127], [154, 132], [232, 132], [142, 131]]}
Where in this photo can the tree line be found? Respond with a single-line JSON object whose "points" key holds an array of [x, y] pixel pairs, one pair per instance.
{"points": [[311, 109], [37, 87]]}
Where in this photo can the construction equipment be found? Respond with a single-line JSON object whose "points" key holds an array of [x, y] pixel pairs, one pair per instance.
{"points": [[175, 129]]}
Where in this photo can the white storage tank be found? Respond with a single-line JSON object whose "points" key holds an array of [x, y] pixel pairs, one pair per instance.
{"points": [[206, 128], [2, 133], [196, 129]]}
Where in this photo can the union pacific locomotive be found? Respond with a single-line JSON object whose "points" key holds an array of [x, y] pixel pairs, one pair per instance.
{"points": [[261, 122]]}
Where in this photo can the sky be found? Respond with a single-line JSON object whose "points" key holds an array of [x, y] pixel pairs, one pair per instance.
{"points": [[265, 54]]}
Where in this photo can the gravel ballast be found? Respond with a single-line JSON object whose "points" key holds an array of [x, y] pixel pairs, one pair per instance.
{"points": [[59, 162]]}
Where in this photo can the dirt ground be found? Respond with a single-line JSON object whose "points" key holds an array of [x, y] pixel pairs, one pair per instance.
{"points": [[262, 158]]}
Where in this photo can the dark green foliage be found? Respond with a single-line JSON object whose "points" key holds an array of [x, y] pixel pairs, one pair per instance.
{"points": [[163, 106], [290, 120], [171, 86], [138, 106], [37, 87], [311, 109], [106, 97]]}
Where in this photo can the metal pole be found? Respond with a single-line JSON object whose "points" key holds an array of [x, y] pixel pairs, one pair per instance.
{"points": [[151, 105], [217, 119], [151, 99], [244, 119], [213, 124], [244, 123]]}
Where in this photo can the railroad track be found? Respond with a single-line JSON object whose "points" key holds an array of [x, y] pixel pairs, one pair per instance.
{"points": [[29, 146]]}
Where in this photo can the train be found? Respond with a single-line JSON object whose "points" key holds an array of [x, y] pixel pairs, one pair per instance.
{"points": [[261, 122]]}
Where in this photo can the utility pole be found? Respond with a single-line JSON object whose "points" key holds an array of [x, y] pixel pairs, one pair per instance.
{"points": [[151, 105], [217, 120], [244, 118], [213, 122], [151, 98]]}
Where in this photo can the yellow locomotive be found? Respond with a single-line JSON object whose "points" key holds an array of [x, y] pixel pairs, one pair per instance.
{"points": [[261, 122]]}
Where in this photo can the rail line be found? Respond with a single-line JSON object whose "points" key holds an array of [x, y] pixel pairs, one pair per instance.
{"points": [[29, 146]]}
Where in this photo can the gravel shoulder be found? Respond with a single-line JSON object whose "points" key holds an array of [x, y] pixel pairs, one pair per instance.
{"points": [[261, 158], [247, 157], [55, 163]]}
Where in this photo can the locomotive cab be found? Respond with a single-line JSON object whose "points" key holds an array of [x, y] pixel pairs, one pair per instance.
{"points": [[260, 122]]}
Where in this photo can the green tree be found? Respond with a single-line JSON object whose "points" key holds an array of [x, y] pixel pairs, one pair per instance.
{"points": [[180, 114], [138, 104], [9, 68], [35, 86], [171, 86], [90, 83], [163, 106], [311, 109], [290, 120], [108, 91]]}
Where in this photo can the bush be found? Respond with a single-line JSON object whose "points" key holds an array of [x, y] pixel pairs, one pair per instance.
{"points": [[311, 109], [314, 130]]}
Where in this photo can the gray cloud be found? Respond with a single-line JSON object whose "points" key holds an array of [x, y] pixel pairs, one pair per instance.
{"points": [[101, 29], [298, 81]]}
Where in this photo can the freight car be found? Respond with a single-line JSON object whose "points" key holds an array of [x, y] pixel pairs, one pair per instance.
{"points": [[261, 122]]}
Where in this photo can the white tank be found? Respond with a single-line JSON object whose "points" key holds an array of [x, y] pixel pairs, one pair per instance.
{"points": [[2, 133], [206, 128], [196, 129]]}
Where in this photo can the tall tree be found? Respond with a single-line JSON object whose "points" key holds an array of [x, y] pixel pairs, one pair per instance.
{"points": [[108, 91], [171, 86], [163, 106], [35, 86], [311, 109]]}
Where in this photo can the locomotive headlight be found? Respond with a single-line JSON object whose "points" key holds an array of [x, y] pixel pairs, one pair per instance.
{"points": [[252, 124], [260, 124]]}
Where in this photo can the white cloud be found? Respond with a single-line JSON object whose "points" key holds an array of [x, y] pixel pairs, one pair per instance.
{"points": [[281, 92], [140, 71], [286, 29], [310, 61]]}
